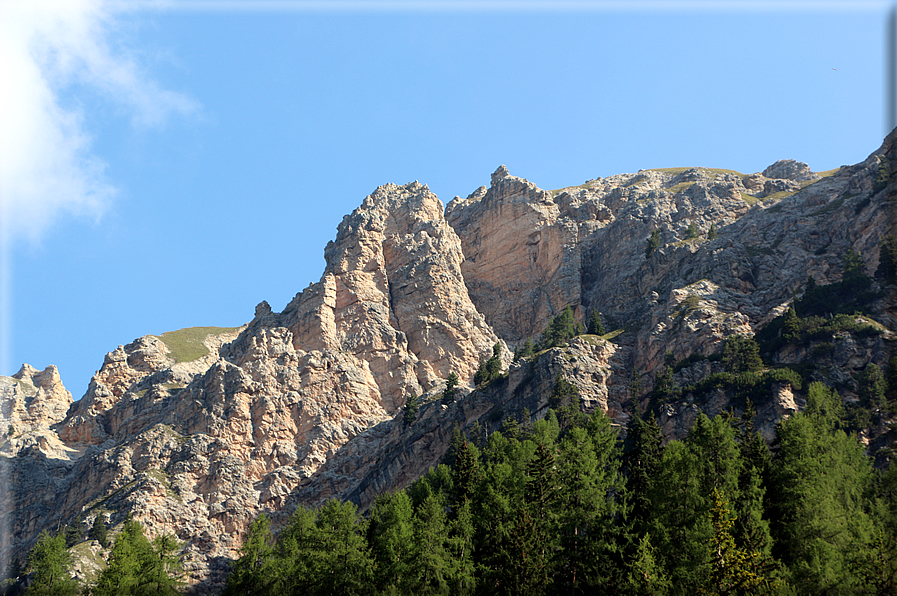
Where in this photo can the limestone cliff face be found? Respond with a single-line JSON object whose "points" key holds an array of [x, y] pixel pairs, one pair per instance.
{"points": [[393, 295], [531, 252], [31, 402], [522, 261], [305, 404], [201, 448]]}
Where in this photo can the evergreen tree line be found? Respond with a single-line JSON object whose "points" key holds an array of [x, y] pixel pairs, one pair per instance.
{"points": [[563, 505], [136, 566]]}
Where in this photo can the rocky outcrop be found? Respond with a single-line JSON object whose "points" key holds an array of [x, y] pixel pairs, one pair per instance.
{"points": [[789, 169], [31, 402], [521, 262], [305, 404], [523, 394], [200, 448], [129, 391]]}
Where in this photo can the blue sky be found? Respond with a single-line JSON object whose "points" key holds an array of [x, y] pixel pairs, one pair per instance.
{"points": [[171, 164]]}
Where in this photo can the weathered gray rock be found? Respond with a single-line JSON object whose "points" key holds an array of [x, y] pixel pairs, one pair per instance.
{"points": [[789, 169], [305, 404]]}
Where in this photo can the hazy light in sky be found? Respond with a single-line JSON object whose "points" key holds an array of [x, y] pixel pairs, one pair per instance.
{"points": [[46, 167]]}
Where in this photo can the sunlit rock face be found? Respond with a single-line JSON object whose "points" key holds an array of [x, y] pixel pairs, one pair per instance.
{"points": [[305, 404]]}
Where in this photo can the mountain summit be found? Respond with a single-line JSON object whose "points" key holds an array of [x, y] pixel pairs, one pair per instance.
{"points": [[197, 432]]}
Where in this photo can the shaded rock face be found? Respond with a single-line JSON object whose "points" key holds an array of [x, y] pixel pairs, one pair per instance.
{"points": [[524, 394], [305, 404]]}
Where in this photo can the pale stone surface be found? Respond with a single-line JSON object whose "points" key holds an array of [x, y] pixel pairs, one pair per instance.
{"points": [[31, 402], [303, 405], [790, 169]]}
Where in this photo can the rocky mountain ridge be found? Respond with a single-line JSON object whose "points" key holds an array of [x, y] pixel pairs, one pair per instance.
{"points": [[306, 404]]}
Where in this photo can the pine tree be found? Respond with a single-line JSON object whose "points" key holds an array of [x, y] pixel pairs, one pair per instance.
{"points": [[160, 576], [821, 480], [489, 370], [391, 536], [646, 576], [410, 410], [462, 572], [871, 388], [49, 564], [680, 497], [73, 534], [691, 232], [138, 567], [561, 329], [251, 574], [751, 528], [432, 564], [589, 506], [465, 472], [98, 531], [563, 393], [596, 327], [635, 385], [663, 385], [712, 234], [887, 260], [451, 384], [653, 244], [642, 464], [541, 484], [732, 570], [741, 354], [525, 563], [339, 560], [853, 270], [791, 326], [882, 177], [524, 351], [891, 378]]}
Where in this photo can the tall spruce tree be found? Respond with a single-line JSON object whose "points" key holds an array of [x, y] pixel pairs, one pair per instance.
{"points": [[524, 351], [251, 573], [642, 463], [887, 260], [653, 244], [596, 327], [49, 563], [391, 536], [410, 410], [681, 497], [821, 484], [451, 384], [590, 507], [98, 531]]}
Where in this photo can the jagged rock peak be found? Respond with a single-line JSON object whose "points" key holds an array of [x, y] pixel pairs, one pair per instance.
{"points": [[500, 174], [48, 378], [262, 309], [392, 295], [32, 402]]}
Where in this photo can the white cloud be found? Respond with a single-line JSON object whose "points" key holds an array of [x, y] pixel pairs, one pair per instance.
{"points": [[47, 170]]}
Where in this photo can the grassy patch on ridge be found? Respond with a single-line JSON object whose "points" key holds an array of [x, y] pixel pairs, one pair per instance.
{"points": [[186, 344]]}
